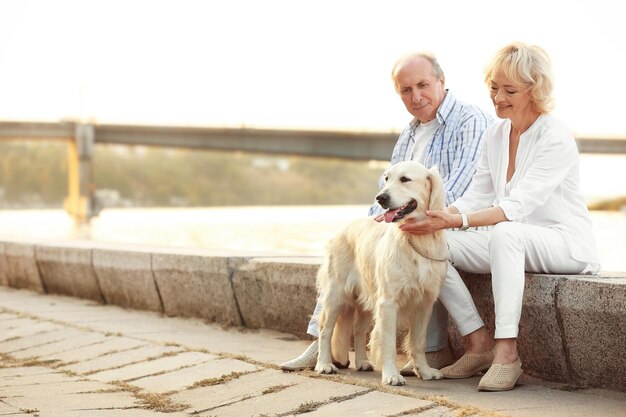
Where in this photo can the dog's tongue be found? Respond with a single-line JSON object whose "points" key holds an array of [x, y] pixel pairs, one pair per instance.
{"points": [[390, 215]]}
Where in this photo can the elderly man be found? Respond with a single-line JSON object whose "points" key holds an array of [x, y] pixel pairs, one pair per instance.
{"points": [[444, 132]]}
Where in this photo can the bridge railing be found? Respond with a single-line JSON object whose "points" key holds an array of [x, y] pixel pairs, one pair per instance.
{"points": [[362, 145]]}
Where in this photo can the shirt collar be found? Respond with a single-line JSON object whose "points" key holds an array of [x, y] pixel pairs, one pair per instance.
{"points": [[443, 112]]}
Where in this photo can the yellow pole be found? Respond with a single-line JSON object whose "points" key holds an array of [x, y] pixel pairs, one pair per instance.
{"points": [[73, 185]]}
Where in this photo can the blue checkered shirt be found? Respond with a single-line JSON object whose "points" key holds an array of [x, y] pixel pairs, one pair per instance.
{"points": [[455, 146]]}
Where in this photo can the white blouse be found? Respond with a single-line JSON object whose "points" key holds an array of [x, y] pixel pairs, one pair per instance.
{"points": [[544, 190]]}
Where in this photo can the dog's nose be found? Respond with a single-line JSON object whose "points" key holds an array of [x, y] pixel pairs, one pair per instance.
{"points": [[383, 199]]}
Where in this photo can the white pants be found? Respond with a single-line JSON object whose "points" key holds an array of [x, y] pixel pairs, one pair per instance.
{"points": [[506, 251], [436, 336]]}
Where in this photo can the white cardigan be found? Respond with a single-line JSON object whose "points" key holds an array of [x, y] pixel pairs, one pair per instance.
{"points": [[544, 190]]}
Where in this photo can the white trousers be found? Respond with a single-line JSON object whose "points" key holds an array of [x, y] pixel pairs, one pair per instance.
{"points": [[436, 336], [506, 251]]}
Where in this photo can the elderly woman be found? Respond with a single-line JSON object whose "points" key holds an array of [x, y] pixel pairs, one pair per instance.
{"points": [[527, 187]]}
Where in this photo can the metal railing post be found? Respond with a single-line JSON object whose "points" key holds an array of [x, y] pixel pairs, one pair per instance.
{"points": [[80, 201]]}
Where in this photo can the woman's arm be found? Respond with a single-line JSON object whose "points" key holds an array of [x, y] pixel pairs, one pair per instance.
{"points": [[450, 218]]}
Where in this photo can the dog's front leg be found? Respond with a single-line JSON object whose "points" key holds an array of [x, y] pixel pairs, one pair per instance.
{"points": [[417, 338], [386, 327]]}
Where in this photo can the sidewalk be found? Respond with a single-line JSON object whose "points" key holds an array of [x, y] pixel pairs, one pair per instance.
{"points": [[67, 357]]}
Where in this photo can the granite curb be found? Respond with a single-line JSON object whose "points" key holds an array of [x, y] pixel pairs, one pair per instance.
{"points": [[578, 321]]}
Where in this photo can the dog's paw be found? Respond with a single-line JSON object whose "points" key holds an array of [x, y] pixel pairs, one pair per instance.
{"points": [[396, 380], [365, 366], [325, 368], [430, 373]]}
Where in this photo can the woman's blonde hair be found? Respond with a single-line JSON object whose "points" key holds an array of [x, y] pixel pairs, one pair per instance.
{"points": [[528, 66]]}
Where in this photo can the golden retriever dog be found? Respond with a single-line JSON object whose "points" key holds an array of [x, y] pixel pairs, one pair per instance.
{"points": [[373, 269]]}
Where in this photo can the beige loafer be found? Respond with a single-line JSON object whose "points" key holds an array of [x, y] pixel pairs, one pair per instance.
{"points": [[501, 377], [468, 365], [437, 360]]}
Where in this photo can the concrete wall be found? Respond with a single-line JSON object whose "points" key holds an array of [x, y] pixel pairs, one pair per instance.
{"points": [[573, 328]]}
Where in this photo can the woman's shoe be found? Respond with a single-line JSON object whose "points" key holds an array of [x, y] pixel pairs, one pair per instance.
{"points": [[468, 365], [501, 377]]}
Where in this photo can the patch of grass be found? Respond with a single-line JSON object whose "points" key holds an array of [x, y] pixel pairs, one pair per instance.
{"points": [[307, 407], [275, 388], [219, 380], [160, 402], [244, 358]]}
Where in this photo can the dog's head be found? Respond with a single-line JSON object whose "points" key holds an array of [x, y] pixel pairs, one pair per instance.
{"points": [[410, 189]]}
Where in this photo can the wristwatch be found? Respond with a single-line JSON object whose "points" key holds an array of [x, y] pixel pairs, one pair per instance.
{"points": [[465, 224]]}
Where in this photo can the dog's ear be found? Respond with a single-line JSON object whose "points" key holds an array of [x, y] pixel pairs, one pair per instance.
{"points": [[437, 198]]}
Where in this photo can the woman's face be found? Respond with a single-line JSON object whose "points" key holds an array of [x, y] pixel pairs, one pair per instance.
{"points": [[511, 100]]}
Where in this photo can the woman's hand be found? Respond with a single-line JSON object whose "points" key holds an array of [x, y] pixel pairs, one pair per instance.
{"points": [[435, 220]]}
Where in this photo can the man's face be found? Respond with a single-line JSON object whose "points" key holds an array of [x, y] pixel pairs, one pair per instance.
{"points": [[420, 90]]}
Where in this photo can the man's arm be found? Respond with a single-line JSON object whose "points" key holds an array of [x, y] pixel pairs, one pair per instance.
{"points": [[466, 155]]}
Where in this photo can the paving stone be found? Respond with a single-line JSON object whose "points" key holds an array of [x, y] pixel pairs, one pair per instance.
{"points": [[55, 350], [28, 329], [109, 345], [182, 378], [46, 343], [138, 370], [23, 371], [51, 377], [129, 412], [6, 316], [6, 409], [211, 397], [67, 402], [240, 395], [15, 323], [372, 404], [119, 359], [288, 399], [69, 386], [12, 345]]}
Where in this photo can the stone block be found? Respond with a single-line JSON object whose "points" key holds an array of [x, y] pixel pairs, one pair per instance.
{"points": [[21, 266], [4, 279], [277, 293], [540, 343], [67, 269], [593, 311], [193, 284], [126, 279]]}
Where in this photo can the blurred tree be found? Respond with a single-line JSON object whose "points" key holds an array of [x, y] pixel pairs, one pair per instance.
{"points": [[35, 174]]}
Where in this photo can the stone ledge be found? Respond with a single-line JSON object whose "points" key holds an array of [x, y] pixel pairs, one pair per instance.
{"points": [[573, 328]]}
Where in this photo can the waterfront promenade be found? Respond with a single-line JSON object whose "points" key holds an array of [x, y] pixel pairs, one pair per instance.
{"points": [[69, 357]]}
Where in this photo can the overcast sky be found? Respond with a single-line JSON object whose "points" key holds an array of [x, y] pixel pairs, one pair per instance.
{"points": [[318, 64]]}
